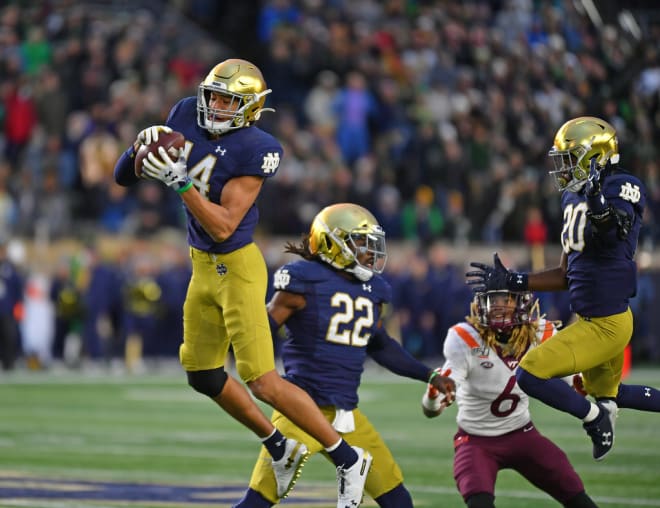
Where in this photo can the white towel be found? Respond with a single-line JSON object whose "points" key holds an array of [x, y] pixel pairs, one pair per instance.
{"points": [[344, 421]]}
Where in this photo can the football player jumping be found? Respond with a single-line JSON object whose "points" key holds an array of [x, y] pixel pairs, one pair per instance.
{"points": [[494, 426], [332, 301], [639, 397], [218, 176], [602, 208]]}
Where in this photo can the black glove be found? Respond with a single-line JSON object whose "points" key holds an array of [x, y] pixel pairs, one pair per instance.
{"points": [[496, 277]]}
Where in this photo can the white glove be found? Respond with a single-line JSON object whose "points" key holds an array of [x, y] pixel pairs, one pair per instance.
{"points": [[174, 174], [150, 134], [433, 402]]}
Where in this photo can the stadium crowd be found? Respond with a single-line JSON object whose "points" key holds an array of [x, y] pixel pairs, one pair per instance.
{"points": [[435, 115]]}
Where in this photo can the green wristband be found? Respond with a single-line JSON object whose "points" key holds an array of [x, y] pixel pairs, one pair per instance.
{"points": [[185, 187], [433, 374]]}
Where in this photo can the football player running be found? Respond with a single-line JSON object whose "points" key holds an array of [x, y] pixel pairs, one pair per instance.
{"points": [[332, 301], [494, 425], [218, 176], [602, 209]]}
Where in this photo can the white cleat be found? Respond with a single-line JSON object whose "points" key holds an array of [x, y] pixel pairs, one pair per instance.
{"points": [[288, 468], [350, 481]]}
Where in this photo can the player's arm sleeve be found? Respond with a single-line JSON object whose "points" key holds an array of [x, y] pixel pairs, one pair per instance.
{"points": [[125, 169], [388, 352]]}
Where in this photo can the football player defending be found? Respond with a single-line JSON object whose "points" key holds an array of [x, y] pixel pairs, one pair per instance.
{"points": [[602, 208], [332, 301], [494, 427], [218, 176]]}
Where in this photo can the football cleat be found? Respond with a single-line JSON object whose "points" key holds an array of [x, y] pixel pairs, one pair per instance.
{"points": [[287, 469], [351, 480], [601, 430]]}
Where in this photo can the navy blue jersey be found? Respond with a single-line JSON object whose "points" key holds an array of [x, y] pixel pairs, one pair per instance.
{"points": [[325, 349], [602, 273], [11, 288], [211, 163]]}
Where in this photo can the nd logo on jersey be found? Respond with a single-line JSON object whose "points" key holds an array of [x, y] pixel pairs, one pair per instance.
{"points": [[271, 162], [630, 192], [281, 279]]}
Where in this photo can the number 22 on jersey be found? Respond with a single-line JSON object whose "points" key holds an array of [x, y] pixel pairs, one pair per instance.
{"points": [[352, 323]]}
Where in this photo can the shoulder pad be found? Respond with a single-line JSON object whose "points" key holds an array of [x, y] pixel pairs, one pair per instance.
{"points": [[467, 334]]}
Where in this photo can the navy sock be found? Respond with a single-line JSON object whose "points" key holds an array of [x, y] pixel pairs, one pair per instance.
{"points": [[252, 499], [398, 497], [554, 392], [343, 455], [275, 444], [639, 397]]}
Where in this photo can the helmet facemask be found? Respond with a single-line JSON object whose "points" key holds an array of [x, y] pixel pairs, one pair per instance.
{"points": [[359, 252], [501, 310], [234, 116], [568, 173], [576, 143], [243, 84], [348, 237]]}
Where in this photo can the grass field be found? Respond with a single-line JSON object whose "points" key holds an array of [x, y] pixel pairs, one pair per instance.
{"points": [[149, 441]]}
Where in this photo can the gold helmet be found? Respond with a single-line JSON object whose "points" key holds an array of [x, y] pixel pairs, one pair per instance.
{"points": [[576, 143], [243, 82], [343, 233]]}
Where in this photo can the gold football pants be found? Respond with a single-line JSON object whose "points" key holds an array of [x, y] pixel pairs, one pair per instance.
{"points": [[592, 346], [226, 305]]}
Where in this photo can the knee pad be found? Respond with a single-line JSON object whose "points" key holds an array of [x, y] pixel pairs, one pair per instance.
{"points": [[208, 382], [481, 500]]}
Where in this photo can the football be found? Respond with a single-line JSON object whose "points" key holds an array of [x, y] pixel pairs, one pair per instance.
{"points": [[171, 141]]}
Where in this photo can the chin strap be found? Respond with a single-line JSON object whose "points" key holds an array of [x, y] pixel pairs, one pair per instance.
{"points": [[362, 273]]}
